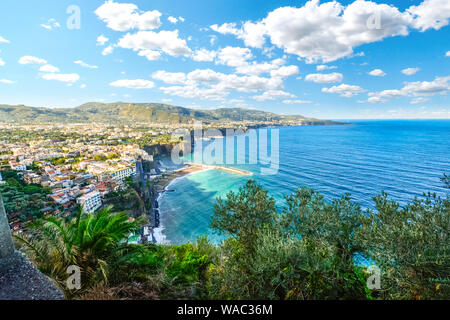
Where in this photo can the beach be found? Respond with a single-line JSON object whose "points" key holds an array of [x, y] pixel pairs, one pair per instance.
{"points": [[403, 158], [164, 183]]}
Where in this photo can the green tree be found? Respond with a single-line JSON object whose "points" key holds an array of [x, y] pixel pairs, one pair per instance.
{"points": [[95, 243], [304, 252], [243, 213], [411, 245]]}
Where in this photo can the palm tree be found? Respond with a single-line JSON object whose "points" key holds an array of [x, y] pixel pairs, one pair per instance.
{"points": [[93, 242]]}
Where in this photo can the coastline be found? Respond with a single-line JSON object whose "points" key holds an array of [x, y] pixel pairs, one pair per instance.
{"points": [[163, 186]]}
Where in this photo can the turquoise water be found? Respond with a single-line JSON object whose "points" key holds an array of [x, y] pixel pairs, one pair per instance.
{"points": [[403, 158]]}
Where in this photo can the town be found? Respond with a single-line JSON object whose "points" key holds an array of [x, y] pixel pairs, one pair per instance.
{"points": [[54, 170]]}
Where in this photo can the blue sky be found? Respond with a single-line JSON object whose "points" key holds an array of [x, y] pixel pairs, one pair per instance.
{"points": [[331, 60]]}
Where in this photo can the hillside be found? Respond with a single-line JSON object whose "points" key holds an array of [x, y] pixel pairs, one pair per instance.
{"points": [[138, 112]]}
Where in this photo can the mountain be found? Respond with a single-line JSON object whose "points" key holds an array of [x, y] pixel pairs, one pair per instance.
{"points": [[121, 112]]}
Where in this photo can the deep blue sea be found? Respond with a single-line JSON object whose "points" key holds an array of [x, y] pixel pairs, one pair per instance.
{"points": [[402, 157]]}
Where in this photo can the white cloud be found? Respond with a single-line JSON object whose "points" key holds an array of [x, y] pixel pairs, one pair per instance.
{"points": [[419, 100], [296, 102], [172, 19], [133, 84], [376, 99], [207, 84], [447, 54], [127, 16], [151, 55], [256, 69], [170, 77], [330, 31], [82, 86], [273, 94], [212, 40], [325, 77], [377, 73], [102, 40], [51, 24], [204, 55], [381, 97], [252, 33], [234, 56], [205, 76], [2, 63], [323, 67], [31, 60], [166, 41], [181, 19], [440, 85], [249, 83], [344, 90], [70, 78], [3, 40], [194, 92], [430, 14], [226, 28], [6, 81], [108, 50], [410, 71], [49, 68], [284, 72], [85, 65]]}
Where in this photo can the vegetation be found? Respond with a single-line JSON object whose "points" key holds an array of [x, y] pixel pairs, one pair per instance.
{"points": [[309, 249], [94, 243], [127, 200], [125, 112], [22, 200]]}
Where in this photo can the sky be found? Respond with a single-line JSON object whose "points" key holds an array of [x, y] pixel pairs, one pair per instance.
{"points": [[324, 59]]}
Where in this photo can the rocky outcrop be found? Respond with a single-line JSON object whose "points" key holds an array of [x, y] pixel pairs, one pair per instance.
{"points": [[19, 279]]}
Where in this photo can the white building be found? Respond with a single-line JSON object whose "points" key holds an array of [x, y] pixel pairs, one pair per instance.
{"points": [[19, 167], [121, 174], [90, 202]]}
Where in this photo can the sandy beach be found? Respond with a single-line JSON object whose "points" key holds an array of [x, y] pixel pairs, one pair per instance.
{"points": [[167, 179]]}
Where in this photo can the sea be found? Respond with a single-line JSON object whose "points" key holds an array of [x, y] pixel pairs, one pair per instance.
{"points": [[404, 158]]}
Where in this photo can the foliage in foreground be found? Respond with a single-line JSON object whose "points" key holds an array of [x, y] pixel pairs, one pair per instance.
{"points": [[309, 249]]}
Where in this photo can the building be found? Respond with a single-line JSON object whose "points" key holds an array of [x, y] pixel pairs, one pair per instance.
{"points": [[121, 174], [19, 167], [31, 177], [90, 202]]}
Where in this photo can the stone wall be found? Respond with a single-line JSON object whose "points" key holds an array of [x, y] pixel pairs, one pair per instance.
{"points": [[19, 279]]}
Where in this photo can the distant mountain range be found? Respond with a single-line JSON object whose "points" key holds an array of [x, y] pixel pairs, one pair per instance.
{"points": [[121, 112]]}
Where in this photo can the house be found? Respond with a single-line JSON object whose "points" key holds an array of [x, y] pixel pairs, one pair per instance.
{"points": [[18, 167], [90, 202], [121, 174]]}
